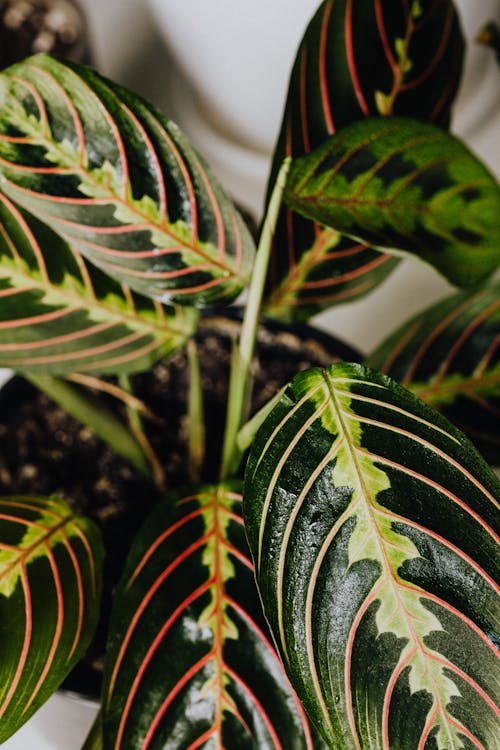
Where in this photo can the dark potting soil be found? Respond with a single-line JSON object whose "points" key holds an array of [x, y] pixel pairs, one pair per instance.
{"points": [[44, 451]]}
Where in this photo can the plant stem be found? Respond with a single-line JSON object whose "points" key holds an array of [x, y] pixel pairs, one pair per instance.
{"points": [[241, 361], [91, 412], [137, 428], [94, 739], [248, 431], [196, 414]]}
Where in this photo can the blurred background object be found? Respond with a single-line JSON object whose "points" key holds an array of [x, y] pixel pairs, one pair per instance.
{"points": [[30, 26]]}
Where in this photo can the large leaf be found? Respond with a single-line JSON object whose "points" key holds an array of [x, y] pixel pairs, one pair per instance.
{"points": [[407, 186], [50, 580], [355, 60], [120, 182], [58, 314], [374, 525], [190, 663], [449, 356]]}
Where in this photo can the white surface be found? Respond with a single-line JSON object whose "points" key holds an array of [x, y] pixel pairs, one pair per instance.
{"points": [[127, 48], [61, 724]]}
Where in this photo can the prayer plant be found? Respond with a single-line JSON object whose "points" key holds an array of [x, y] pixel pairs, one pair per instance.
{"points": [[371, 520]]}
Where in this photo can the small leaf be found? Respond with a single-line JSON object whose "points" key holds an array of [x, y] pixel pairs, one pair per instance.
{"points": [[50, 581], [348, 68], [374, 526], [119, 182], [449, 356], [60, 315], [407, 186], [190, 663]]}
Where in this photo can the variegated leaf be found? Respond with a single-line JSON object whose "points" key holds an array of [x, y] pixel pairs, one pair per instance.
{"points": [[374, 526], [59, 314], [50, 581], [355, 60], [449, 356], [406, 186], [190, 663], [120, 182]]}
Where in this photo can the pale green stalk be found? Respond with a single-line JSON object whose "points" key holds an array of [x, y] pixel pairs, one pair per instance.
{"points": [[240, 378], [94, 739], [91, 412], [137, 429], [196, 415]]}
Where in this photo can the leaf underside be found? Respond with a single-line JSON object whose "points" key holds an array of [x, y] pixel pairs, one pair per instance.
{"points": [[59, 314], [190, 663], [356, 60], [449, 356], [120, 183], [374, 525], [407, 186], [50, 580]]}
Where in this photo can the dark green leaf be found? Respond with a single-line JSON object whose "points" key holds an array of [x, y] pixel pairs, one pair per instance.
{"points": [[406, 186], [50, 581], [355, 60], [59, 314], [190, 661], [374, 526], [120, 182], [449, 356]]}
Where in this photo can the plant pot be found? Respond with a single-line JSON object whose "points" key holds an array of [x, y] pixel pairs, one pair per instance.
{"points": [[45, 451]]}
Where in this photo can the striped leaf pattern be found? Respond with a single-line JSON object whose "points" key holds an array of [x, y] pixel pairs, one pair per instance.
{"points": [[50, 580], [374, 525], [449, 356], [407, 186], [119, 182], [59, 314], [355, 60], [190, 661]]}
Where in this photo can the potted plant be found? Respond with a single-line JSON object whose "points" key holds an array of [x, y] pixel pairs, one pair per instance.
{"points": [[370, 518]]}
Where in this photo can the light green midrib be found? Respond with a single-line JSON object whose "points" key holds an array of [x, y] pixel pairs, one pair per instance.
{"points": [[25, 554], [389, 573], [115, 198], [67, 299]]}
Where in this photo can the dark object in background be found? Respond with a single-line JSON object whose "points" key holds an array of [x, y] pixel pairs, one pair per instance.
{"points": [[54, 26], [490, 36]]}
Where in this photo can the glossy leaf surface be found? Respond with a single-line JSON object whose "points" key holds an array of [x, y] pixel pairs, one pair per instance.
{"points": [[355, 60], [190, 661], [120, 182], [407, 186], [374, 526], [50, 580], [59, 314], [449, 356]]}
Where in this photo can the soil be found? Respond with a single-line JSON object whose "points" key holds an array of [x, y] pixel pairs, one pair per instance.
{"points": [[45, 451]]}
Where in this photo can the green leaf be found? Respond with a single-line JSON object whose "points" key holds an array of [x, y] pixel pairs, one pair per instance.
{"points": [[120, 182], [374, 525], [355, 60], [50, 582], [190, 663], [405, 186], [449, 356], [60, 315]]}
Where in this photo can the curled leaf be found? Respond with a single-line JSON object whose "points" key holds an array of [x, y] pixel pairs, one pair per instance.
{"points": [[50, 581], [120, 182], [373, 524], [190, 662], [405, 186]]}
